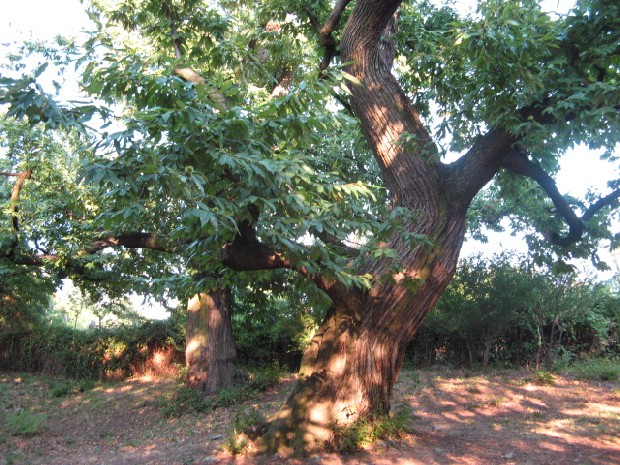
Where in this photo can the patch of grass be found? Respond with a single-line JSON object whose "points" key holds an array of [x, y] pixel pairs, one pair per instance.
{"points": [[597, 369], [189, 400], [186, 400], [25, 423], [366, 431], [544, 377]]}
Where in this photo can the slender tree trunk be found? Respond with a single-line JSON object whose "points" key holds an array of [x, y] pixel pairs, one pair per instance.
{"points": [[210, 353], [470, 355], [488, 345]]}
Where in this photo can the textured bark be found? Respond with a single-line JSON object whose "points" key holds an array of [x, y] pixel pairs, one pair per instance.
{"points": [[351, 365], [210, 352]]}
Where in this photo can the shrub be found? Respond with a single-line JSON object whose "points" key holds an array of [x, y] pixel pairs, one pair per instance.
{"points": [[60, 388], [263, 378], [98, 354]]}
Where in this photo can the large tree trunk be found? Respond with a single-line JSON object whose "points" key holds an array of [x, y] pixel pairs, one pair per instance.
{"points": [[350, 367], [352, 363], [210, 353]]}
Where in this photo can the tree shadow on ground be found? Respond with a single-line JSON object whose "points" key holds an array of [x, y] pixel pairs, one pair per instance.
{"points": [[457, 418]]}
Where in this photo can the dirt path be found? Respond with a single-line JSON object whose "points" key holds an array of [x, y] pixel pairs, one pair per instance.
{"points": [[506, 418]]}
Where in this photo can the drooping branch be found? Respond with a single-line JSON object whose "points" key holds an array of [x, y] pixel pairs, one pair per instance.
{"points": [[129, 241], [517, 162]]}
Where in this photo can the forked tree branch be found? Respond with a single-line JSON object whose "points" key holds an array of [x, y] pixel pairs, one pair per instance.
{"points": [[325, 32], [517, 162]]}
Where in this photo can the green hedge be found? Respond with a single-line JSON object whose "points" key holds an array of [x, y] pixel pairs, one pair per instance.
{"points": [[94, 354]]}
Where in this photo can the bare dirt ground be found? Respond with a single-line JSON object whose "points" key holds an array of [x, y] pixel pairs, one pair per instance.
{"points": [[458, 417]]}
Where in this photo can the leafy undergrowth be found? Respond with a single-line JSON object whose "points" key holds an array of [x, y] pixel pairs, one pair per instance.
{"points": [[443, 417]]}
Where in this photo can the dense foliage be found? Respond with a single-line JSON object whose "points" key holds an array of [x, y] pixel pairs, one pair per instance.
{"points": [[507, 312]]}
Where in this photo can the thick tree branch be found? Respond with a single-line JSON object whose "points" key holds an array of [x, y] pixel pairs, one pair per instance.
{"points": [[518, 163], [130, 241], [249, 254], [471, 172]]}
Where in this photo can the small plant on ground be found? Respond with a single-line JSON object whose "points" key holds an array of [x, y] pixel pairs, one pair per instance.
{"points": [[544, 377], [235, 443], [473, 388], [84, 385], [263, 378], [25, 423], [366, 431], [230, 396], [416, 379], [243, 424], [60, 388]]}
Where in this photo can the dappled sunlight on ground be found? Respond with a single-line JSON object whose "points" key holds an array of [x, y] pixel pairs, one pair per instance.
{"points": [[459, 418]]}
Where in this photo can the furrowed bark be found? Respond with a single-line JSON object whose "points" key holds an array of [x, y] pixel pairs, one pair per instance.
{"points": [[350, 367], [210, 354]]}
